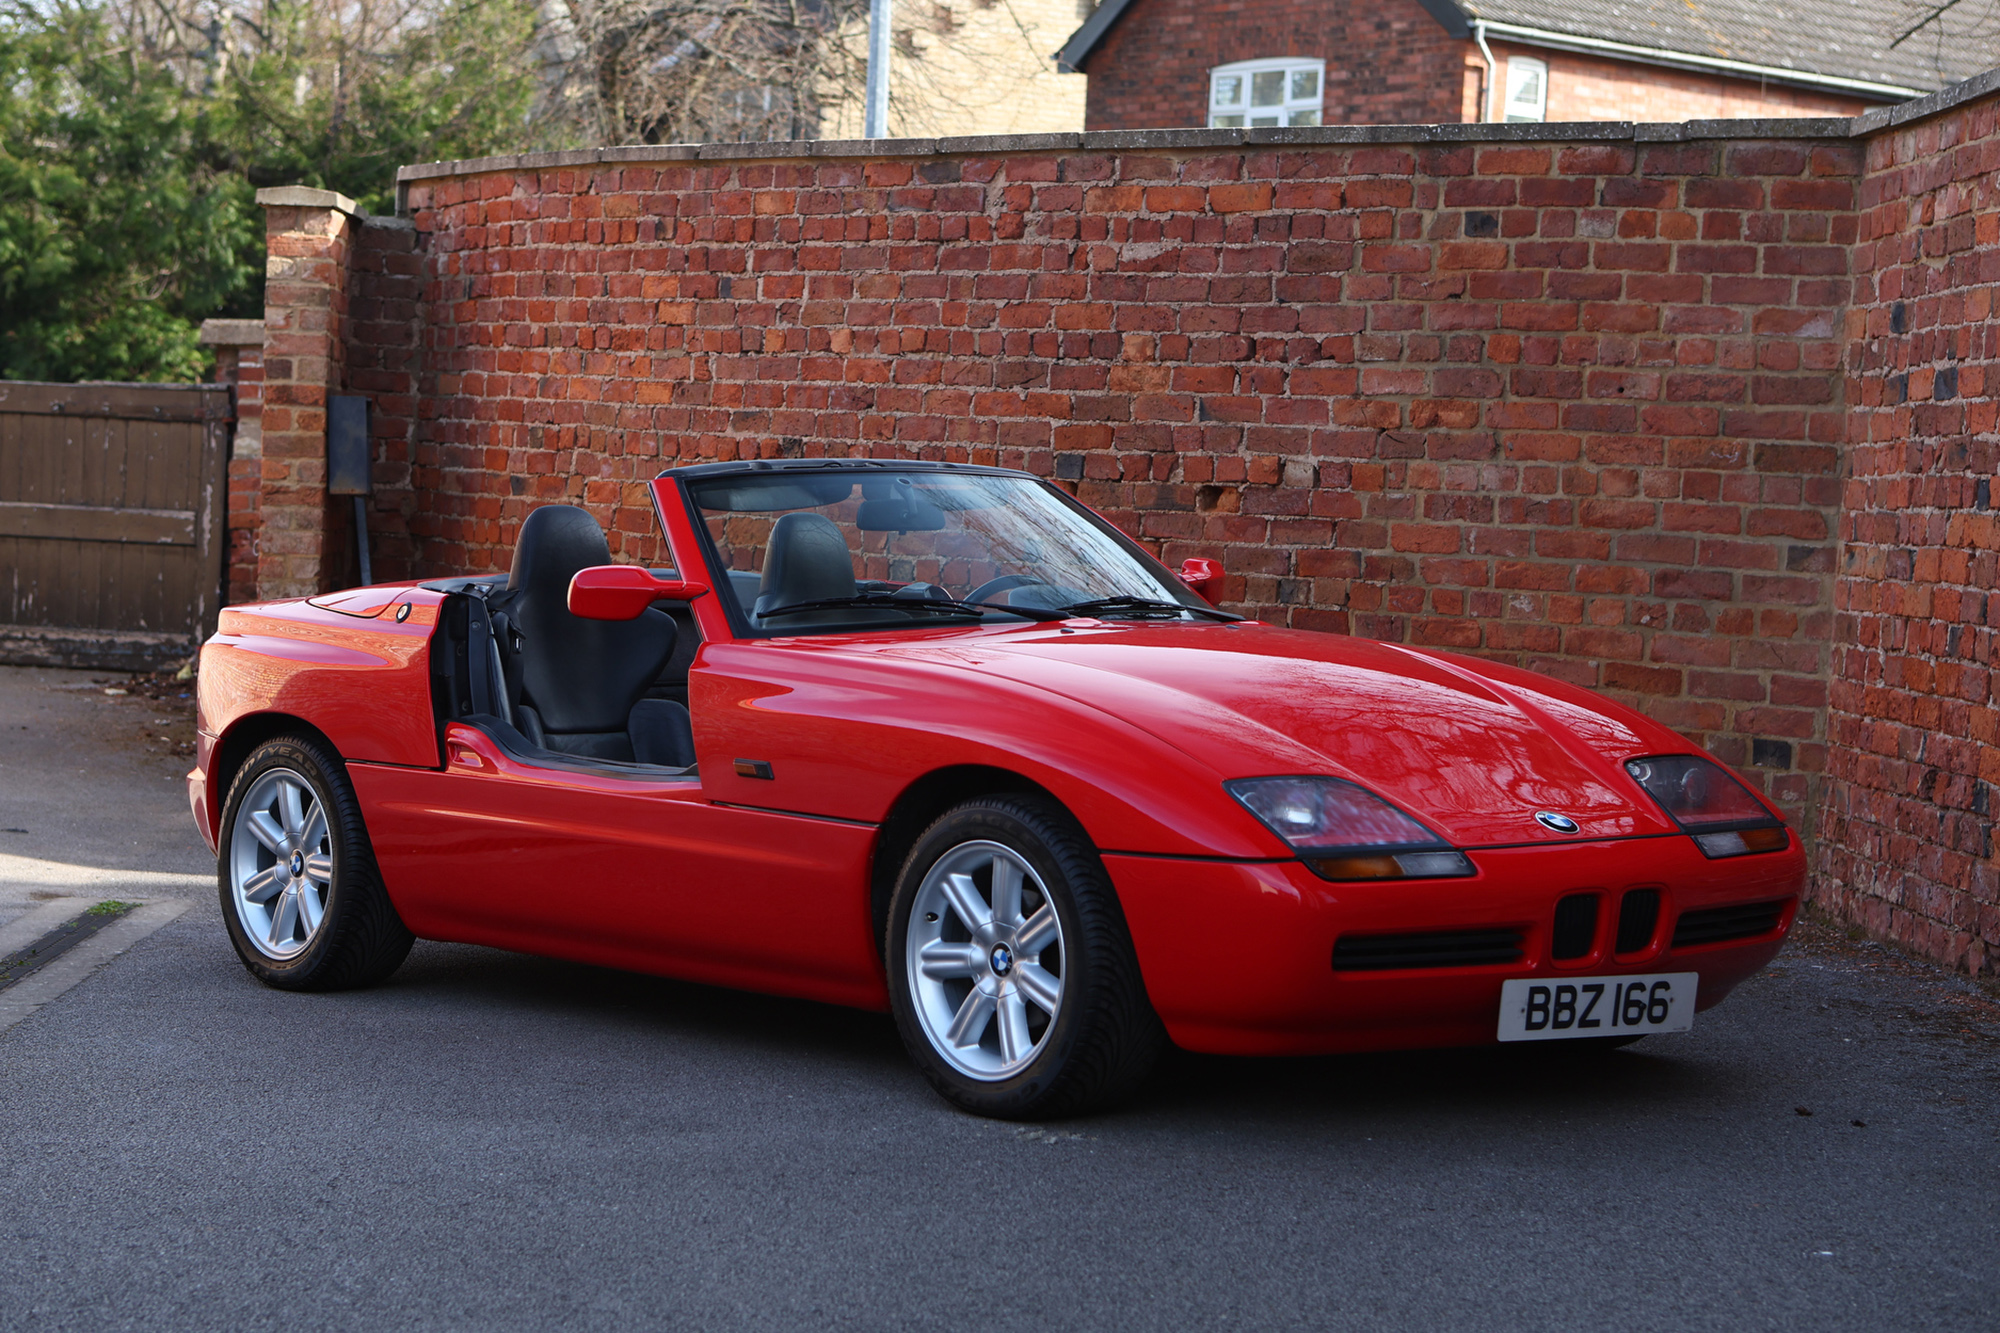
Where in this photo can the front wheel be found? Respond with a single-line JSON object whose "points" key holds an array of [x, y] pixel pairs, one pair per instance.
{"points": [[1011, 971], [301, 897]]}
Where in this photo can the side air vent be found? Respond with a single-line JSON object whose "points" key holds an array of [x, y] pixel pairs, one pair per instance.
{"points": [[1638, 914], [1575, 932], [1447, 948], [1712, 925]]}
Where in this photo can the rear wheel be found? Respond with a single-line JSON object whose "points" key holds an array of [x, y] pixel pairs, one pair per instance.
{"points": [[301, 896], [1011, 970]]}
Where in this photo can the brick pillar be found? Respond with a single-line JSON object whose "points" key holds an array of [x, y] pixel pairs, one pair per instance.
{"points": [[239, 363], [303, 540]]}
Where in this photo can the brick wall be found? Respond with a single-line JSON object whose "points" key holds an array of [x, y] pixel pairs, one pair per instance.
{"points": [[1693, 415], [1573, 405], [239, 363], [1387, 63], [383, 362], [301, 548], [1907, 846]]}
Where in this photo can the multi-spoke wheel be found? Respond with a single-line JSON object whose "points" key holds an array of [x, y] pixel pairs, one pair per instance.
{"points": [[985, 958], [301, 896], [1011, 970], [281, 864]]}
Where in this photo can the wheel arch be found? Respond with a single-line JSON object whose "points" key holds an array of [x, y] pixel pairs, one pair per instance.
{"points": [[243, 737], [916, 809]]}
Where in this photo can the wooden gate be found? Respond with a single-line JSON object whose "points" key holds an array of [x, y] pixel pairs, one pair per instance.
{"points": [[112, 500]]}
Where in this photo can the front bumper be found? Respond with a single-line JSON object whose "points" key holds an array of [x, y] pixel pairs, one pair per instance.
{"points": [[1238, 956]]}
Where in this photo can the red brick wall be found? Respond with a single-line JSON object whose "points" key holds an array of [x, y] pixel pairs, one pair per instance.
{"points": [[1388, 63], [1575, 406], [301, 548], [1585, 405], [240, 365], [243, 368], [386, 291], [1907, 846]]}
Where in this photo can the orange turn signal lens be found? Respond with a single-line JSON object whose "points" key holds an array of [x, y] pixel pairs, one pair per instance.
{"points": [[1445, 864], [1359, 867], [1742, 842]]}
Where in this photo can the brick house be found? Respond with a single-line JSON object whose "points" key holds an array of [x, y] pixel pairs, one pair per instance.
{"points": [[1156, 64]]}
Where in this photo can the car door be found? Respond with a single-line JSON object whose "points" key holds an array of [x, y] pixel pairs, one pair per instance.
{"points": [[611, 863], [623, 871]]}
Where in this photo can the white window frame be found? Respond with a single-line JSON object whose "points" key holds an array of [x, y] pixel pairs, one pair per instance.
{"points": [[1291, 111], [1521, 69]]}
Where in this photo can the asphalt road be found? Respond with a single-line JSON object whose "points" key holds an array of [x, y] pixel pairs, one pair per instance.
{"points": [[497, 1142]]}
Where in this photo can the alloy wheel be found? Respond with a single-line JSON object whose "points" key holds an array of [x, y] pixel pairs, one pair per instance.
{"points": [[280, 864], [985, 961]]}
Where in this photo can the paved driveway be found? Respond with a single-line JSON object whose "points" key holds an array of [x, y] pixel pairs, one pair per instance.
{"points": [[493, 1141]]}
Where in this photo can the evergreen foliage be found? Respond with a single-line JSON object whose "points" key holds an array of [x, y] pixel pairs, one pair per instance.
{"points": [[131, 146], [119, 232]]}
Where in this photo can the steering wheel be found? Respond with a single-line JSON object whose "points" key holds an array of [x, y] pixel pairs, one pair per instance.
{"points": [[1001, 584]]}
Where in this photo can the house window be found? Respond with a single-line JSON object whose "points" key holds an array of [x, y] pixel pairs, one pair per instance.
{"points": [[1527, 89], [1265, 92]]}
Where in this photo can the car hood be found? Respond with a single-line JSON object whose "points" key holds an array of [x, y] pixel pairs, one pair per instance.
{"points": [[1473, 750]]}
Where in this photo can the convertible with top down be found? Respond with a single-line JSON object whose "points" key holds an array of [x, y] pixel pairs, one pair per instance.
{"points": [[938, 739]]}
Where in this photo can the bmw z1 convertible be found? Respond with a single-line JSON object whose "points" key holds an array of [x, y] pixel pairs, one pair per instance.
{"points": [[939, 739]]}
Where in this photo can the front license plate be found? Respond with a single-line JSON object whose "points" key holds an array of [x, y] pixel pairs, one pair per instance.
{"points": [[1597, 1006]]}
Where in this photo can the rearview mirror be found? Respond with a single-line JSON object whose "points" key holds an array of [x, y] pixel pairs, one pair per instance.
{"points": [[623, 592], [901, 514], [1202, 575]]}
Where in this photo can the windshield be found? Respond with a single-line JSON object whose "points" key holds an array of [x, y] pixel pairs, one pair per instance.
{"points": [[807, 552]]}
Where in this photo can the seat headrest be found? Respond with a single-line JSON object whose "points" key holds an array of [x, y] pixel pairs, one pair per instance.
{"points": [[807, 560], [579, 675], [555, 542]]}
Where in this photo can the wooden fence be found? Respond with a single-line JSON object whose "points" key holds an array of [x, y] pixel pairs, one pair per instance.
{"points": [[112, 500]]}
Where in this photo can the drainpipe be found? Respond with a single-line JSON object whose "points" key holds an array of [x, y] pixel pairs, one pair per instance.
{"points": [[1492, 74], [875, 103]]}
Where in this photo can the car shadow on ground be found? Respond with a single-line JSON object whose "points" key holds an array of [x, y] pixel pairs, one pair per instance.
{"points": [[1281, 1093], [471, 974], [1385, 1085]]}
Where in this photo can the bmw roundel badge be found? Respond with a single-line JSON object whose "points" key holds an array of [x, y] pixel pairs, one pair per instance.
{"points": [[1559, 823]]}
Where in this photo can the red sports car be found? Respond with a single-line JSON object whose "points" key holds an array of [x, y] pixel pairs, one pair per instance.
{"points": [[939, 739]]}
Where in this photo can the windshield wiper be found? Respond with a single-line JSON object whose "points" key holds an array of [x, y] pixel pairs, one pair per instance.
{"points": [[948, 606], [1144, 608]]}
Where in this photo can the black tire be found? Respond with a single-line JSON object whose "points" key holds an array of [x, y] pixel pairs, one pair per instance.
{"points": [[359, 939], [1104, 1036]]}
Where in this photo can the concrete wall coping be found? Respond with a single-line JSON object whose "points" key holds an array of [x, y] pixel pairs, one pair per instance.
{"points": [[1602, 131], [1944, 99], [1691, 131], [304, 196], [231, 333]]}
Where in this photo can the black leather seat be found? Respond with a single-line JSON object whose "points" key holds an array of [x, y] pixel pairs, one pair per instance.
{"points": [[806, 561], [582, 683]]}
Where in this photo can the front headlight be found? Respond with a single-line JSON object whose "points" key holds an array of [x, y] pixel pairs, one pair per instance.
{"points": [[1344, 831], [1714, 808]]}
